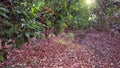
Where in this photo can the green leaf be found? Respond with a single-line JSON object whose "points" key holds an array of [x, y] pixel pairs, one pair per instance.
{"points": [[12, 30], [2, 58], [4, 10], [18, 12], [27, 35], [19, 43], [2, 54], [71, 35], [4, 15]]}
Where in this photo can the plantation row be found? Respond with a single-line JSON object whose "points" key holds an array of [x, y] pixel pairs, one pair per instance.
{"points": [[23, 19]]}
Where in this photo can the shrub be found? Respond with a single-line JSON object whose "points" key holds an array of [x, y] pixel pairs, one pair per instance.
{"points": [[17, 24], [107, 12]]}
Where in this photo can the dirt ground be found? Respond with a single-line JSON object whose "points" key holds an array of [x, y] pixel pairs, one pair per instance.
{"points": [[94, 49]]}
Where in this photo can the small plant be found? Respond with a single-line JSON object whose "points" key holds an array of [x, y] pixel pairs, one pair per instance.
{"points": [[71, 36]]}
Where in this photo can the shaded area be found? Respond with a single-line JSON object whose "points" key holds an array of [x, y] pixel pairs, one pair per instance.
{"points": [[94, 49]]}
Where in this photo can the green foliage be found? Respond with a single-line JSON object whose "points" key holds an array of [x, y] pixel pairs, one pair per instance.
{"points": [[3, 11], [72, 36], [37, 7], [18, 19], [17, 23], [106, 12], [67, 13], [79, 16], [111, 10], [56, 21]]}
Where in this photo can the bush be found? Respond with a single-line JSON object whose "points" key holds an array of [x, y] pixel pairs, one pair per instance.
{"points": [[107, 12], [18, 19], [68, 14], [17, 24]]}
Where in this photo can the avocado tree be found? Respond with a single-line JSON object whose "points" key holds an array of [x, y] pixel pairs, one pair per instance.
{"points": [[68, 14], [23, 19], [17, 24]]}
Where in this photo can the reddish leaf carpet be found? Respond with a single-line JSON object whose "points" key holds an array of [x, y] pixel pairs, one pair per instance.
{"points": [[94, 50]]}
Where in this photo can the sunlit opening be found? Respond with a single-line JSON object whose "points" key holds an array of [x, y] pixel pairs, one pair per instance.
{"points": [[90, 1]]}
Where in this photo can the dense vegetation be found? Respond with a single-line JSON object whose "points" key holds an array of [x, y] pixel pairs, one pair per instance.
{"points": [[107, 15], [23, 19]]}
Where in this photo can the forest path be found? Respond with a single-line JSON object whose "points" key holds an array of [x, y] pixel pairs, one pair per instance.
{"points": [[94, 50]]}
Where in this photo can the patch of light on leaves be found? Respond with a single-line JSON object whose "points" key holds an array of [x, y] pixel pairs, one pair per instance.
{"points": [[90, 2], [63, 42]]}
